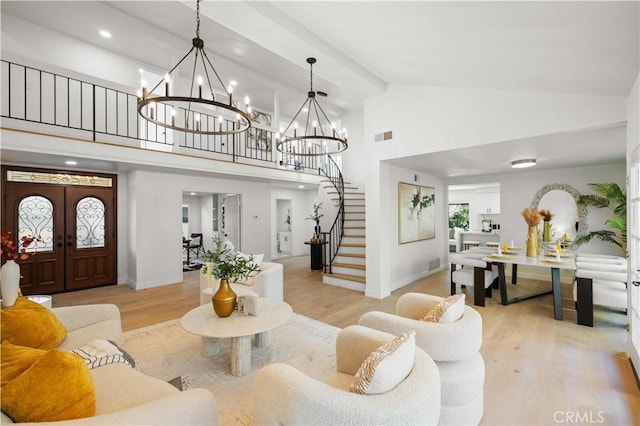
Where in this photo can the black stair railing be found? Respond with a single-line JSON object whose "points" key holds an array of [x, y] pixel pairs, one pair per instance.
{"points": [[334, 237]]}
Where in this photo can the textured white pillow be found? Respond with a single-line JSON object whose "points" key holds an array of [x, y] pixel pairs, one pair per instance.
{"points": [[387, 366], [448, 310]]}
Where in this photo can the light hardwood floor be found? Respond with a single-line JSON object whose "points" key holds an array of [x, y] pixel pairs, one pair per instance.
{"points": [[538, 370]]}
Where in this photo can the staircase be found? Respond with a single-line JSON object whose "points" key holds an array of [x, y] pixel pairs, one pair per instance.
{"points": [[348, 267]]}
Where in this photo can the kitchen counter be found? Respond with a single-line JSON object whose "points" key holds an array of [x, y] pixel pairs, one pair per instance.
{"points": [[482, 237]]}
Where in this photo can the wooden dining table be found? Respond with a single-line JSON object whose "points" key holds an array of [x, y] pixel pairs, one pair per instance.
{"points": [[553, 263]]}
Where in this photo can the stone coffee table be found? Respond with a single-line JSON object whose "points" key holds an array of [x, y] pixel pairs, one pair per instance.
{"points": [[202, 321]]}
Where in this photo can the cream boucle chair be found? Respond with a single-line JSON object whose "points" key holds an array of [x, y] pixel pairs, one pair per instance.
{"points": [[467, 269], [599, 281], [453, 346], [285, 395]]}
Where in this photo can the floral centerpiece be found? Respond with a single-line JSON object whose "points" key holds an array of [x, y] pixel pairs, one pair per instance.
{"points": [[10, 271], [533, 218], [224, 263]]}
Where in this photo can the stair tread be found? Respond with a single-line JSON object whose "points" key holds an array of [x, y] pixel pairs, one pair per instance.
{"points": [[353, 245], [348, 277], [354, 227], [354, 236], [349, 265], [358, 255]]}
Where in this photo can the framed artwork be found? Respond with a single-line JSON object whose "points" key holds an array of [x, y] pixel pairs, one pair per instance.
{"points": [[416, 213], [260, 117], [259, 139]]}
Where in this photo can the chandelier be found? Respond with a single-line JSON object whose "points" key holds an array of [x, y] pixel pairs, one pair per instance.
{"points": [[318, 136], [196, 112]]}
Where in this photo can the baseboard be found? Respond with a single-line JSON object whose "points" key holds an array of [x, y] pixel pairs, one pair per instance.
{"points": [[635, 372]]}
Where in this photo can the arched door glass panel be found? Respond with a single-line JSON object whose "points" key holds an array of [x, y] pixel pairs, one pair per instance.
{"points": [[35, 218], [90, 227]]}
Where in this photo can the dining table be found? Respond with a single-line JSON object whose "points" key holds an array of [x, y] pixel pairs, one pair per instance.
{"points": [[549, 260]]}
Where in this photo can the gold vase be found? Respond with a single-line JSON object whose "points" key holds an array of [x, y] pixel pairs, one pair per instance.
{"points": [[224, 300], [532, 242], [546, 231]]}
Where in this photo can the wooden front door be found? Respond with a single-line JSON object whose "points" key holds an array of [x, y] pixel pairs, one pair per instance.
{"points": [[77, 224]]}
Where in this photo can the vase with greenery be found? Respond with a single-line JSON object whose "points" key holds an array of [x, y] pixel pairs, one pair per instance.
{"points": [[224, 263], [533, 218], [609, 196], [315, 216]]}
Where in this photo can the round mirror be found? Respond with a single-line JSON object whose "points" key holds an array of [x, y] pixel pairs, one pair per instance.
{"points": [[562, 201]]}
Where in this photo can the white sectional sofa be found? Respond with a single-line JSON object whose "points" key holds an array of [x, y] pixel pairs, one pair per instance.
{"points": [[125, 396]]}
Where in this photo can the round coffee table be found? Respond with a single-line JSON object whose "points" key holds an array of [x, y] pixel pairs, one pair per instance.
{"points": [[202, 321]]}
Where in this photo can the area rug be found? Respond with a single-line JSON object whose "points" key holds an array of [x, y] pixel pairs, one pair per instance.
{"points": [[166, 351]]}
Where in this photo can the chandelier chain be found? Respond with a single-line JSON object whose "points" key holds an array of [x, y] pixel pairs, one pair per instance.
{"points": [[198, 19]]}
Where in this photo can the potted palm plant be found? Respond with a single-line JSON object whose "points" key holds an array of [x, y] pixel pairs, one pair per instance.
{"points": [[612, 197]]}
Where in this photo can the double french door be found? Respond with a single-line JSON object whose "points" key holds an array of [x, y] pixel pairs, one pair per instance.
{"points": [[75, 217]]}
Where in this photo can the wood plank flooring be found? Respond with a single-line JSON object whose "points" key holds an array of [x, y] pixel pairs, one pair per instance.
{"points": [[538, 370]]}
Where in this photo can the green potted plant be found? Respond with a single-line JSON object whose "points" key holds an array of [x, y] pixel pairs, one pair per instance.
{"points": [[612, 197]]}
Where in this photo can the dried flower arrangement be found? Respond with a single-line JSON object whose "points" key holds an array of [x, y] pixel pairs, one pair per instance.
{"points": [[546, 215], [531, 216]]}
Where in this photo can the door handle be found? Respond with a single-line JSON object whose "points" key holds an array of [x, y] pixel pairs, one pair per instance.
{"points": [[59, 245], [69, 244]]}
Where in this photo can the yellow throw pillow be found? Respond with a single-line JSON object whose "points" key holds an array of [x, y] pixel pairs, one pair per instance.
{"points": [[30, 324], [448, 310], [45, 386]]}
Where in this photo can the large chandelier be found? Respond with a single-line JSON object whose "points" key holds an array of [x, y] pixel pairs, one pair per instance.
{"points": [[196, 112], [318, 136]]}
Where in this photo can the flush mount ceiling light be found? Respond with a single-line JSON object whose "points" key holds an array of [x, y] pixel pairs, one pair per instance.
{"points": [[521, 164], [318, 136], [195, 112]]}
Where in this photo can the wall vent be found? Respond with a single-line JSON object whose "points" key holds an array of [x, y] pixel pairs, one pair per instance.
{"points": [[383, 136], [433, 264]]}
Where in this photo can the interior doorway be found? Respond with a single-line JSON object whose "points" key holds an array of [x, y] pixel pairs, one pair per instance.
{"points": [[284, 230], [205, 216]]}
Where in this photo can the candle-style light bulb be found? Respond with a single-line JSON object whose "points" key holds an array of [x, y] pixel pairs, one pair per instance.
{"points": [[151, 111], [167, 79], [315, 128], [173, 117], [199, 87], [220, 122], [143, 83], [197, 118]]}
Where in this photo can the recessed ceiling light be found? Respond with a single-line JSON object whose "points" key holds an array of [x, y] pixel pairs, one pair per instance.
{"points": [[301, 186], [521, 164], [105, 34], [140, 70], [193, 193], [233, 83], [71, 163]]}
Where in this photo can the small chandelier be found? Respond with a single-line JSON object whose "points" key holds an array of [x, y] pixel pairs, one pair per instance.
{"points": [[318, 136], [194, 113]]}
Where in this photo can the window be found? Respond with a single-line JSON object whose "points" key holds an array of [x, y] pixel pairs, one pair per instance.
{"points": [[459, 215], [90, 225]]}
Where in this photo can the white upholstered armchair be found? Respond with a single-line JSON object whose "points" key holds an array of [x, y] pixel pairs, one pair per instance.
{"points": [[454, 347], [285, 395]]}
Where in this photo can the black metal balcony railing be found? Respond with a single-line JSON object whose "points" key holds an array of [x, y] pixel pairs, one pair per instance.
{"points": [[103, 114], [108, 115]]}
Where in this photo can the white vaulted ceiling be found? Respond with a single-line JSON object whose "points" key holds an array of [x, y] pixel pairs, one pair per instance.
{"points": [[362, 47]]}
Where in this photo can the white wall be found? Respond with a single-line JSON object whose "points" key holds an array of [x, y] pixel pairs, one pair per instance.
{"points": [[195, 213], [123, 228], [352, 158], [155, 217], [429, 119]]}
